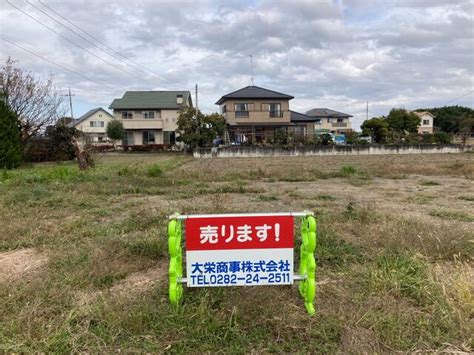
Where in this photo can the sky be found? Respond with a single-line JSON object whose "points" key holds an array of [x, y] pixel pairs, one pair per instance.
{"points": [[337, 54]]}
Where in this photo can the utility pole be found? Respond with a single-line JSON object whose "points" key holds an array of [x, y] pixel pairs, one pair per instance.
{"points": [[367, 111], [251, 69], [70, 101], [196, 89]]}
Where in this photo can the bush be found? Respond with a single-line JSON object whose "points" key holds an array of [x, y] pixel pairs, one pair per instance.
{"points": [[56, 145], [145, 148], [443, 138], [10, 151], [102, 148]]}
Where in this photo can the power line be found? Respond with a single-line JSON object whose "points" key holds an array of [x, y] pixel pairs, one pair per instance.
{"points": [[108, 50], [459, 97], [70, 41], [138, 65], [54, 63]]}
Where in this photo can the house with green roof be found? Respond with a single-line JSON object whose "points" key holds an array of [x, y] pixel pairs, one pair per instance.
{"points": [[149, 117]]}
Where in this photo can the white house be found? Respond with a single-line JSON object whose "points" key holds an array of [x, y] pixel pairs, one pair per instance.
{"points": [[93, 125], [427, 122]]}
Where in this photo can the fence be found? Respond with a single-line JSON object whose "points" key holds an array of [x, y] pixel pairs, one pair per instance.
{"points": [[258, 152]]}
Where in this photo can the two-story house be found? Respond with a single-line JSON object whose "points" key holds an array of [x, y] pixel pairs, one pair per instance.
{"points": [[149, 117], [93, 125], [255, 112], [324, 120], [426, 122]]}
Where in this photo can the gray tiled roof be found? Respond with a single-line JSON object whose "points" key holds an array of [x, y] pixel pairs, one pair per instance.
{"points": [[142, 100], [89, 113], [325, 112], [254, 92], [300, 117]]}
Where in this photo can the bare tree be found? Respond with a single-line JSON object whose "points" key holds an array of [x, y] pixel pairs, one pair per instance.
{"points": [[35, 101]]}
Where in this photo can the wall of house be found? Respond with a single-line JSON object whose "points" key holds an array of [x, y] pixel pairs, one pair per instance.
{"points": [[426, 128], [164, 119], [332, 125], [99, 116], [257, 115], [261, 152], [169, 118]]}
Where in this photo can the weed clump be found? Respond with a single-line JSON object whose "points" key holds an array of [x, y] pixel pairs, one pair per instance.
{"points": [[154, 171]]}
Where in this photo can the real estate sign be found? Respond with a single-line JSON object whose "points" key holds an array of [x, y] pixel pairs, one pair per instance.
{"points": [[239, 250], [247, 249]]}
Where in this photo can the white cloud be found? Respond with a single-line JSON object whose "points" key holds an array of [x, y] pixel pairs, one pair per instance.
{"points": [[337, 54]]}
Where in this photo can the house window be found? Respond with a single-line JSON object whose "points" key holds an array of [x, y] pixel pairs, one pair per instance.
{"points": [[100, 138], [241, 110], [148, 137], [148, 114], [127, 115], [100, 115], [274, 109], [223, 108], [97, 124], [340, 120], [128, 138], [426, 122]]}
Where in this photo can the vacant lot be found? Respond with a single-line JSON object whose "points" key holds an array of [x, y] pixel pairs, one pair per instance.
{"points": [[83, 255]]}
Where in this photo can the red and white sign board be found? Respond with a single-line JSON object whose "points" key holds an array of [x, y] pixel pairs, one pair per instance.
{"points": [[239, 250]]}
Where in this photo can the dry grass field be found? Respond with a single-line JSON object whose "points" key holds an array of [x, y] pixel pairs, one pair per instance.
{"points": [[83, 255]]}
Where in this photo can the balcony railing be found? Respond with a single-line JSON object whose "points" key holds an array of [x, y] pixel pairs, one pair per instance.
{"points": [[276, 113], [241, 114], [339, 124]]}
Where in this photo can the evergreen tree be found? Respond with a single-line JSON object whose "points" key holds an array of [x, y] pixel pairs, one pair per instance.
{"points": [[10, 151]]}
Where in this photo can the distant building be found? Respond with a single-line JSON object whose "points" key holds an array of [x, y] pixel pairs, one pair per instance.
{"points": [[427, 122], [149, 117], [324, 120], [93, 125]]}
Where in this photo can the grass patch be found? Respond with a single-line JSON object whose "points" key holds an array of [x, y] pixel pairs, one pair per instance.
{"points": [[429, 183], [324, 197], [333, 251], [267, 198], [154, 171], [452, 215]]}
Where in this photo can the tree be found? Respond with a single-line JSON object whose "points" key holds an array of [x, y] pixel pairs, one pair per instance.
{"points": [[115, 130], [377, 128], [60, 146], [466, 126], [10, 150], [198, 130], [34, 101], [403, 122]]}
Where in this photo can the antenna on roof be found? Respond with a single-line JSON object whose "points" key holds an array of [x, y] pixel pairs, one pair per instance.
{"points": [[251, 69]]}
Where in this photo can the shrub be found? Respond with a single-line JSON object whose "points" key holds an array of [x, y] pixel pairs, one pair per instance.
{"points": [[10, 151], [154, 171], [145, 148]]}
